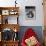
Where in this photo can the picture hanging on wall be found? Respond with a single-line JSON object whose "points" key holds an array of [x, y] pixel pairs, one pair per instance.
{"points": [[30, 12]]}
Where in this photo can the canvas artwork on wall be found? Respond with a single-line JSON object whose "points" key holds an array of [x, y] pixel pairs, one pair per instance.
{"points": [[30, 12]]}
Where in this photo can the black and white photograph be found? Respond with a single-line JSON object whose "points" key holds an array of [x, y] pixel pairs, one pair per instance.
{"points": [[30, 12]]}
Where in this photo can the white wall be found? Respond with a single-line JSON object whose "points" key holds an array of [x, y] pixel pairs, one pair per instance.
{"points": [[22, 18]]}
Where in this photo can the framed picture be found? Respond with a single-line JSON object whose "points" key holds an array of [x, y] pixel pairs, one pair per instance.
{"points": [[30, 12], [5, 12], [13, 12]]}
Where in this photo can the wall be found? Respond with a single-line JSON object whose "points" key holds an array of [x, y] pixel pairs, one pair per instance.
{"points": [[39, 13], [22, 18]]}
